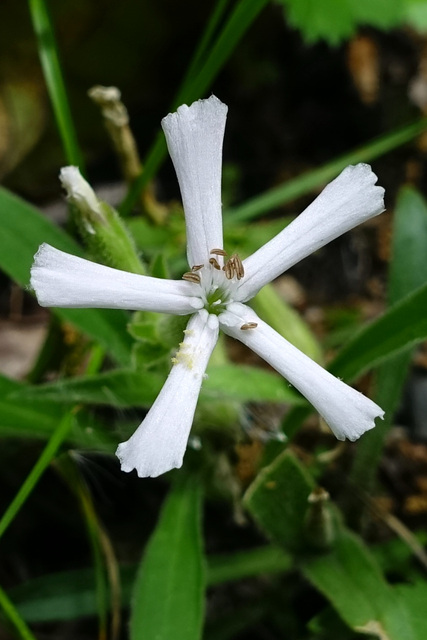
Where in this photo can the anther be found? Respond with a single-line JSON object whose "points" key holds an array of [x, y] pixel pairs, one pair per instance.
{"points": [[228, 269], [214, 263], [238, 266], [191, 277], [197, 267], [218, 252], [249, 325]]}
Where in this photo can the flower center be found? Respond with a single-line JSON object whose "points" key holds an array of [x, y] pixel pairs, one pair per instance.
{"points": [[218, 282]]}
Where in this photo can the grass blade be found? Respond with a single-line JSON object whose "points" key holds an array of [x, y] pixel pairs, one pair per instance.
{"points": [[240, 20], [14, 617], [54, 80], [55, 441], [305, 183]]}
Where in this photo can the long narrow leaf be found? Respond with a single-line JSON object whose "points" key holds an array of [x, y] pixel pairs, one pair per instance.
{"points": [[402, 326], [53, 76], [13, 616], [305, 183], [55, 441], [168, 600], [240, 20]]}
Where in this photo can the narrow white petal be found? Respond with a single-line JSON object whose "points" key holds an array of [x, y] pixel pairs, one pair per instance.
{"points": [[347, 412], [194, 137], [347, 201], [63, 280], [159, 443]]}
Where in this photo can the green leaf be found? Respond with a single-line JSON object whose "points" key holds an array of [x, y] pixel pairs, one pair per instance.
{"points": [[330, 20], [168, 599], [305, 183], [401, 326], [415, 14], [408, 270], [55, 84], [278, 500], [246, 384], [125, 388], [336, 20], [351, 580], [414, 598], [23, 230], [239, 20], [408, 267], [55, 441], [29, 416], [234, 566]]}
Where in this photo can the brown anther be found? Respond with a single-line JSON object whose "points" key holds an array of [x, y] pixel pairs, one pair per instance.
{"points": [[191, 277], [248, 325], [228, 269], [197, 267], [214, 263], [218, 252], [238, 266]]}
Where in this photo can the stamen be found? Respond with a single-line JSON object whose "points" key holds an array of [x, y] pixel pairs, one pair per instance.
{"points": [[191, 277], [196, 267], [214, 263], [228, 269], [218, 252], [248, 325], [238, 266]]}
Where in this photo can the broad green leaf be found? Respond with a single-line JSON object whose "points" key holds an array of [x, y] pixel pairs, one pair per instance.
{"points": [[277, 499], [69, 595], [168, 598], [401, 326], [414, 598], [336, 20], [415, 14], [125, 388], [349, 577], [246, 384], [23, 230], [408, 270], [330, 20]]}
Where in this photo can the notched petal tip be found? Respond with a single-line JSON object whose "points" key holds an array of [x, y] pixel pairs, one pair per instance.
{"points": [[359, 422], [197, 112], [361, 182], [158, 462]]}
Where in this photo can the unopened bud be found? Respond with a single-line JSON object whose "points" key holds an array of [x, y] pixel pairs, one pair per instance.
{"points": [[79, 191], [319, 524]]}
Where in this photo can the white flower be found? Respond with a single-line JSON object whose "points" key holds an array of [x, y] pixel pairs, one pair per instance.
{"points": [[214, 290]]}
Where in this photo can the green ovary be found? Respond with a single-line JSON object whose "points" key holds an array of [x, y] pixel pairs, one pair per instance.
{"points": [[216, 301]]}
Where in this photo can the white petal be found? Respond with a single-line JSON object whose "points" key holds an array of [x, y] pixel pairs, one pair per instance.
{"points": [[347, 201], [347, 412], [63, 280], [194, 137], [78, 190], [159, 443]]}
